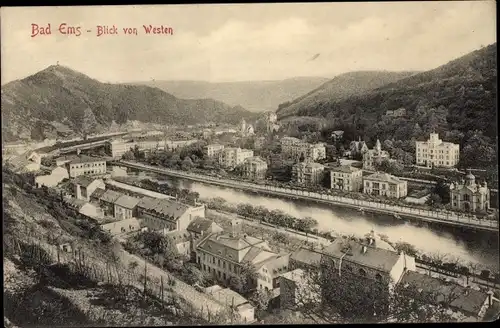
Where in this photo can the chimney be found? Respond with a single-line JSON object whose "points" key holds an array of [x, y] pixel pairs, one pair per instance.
{"points": [[235, 227], [363, 249], [78, 151]]}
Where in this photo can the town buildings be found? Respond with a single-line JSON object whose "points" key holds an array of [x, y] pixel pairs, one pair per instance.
{"points": [[296, 289], [308, 173], [84, 187], [346, 177], [85, 165], [29, 161], [224, 254], [83, 207], [254, 168], [384, 184], [467, 195], [122, 226], [106, 200], [117, 147], [357, 148], [213, 150], [467, 303], [229, 298], [299, 149], [231, 157], [125, 207], [400, 112], [166, 215], [374, 156], [435, 152], [259, 142], [246, 129]]}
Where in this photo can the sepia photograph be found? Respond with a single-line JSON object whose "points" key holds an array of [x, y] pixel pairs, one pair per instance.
{"points": [[250, 164]]}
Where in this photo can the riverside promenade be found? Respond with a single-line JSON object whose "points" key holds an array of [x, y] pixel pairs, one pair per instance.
{"points": [[448, 218]]}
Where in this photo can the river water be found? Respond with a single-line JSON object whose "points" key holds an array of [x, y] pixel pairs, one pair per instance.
{"points": [[468, 246]]}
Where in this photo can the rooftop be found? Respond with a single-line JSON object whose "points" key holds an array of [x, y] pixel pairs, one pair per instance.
{"points": [[375, 258], [306, 256], [98, 193], [311, 165], [227, 296], [199, 225], [296, 275], [344, 169], [83, 181], [86, 159], [419, 193], [127, 202], [383, 177], [165, 207], [462, 298], [110, 196]]}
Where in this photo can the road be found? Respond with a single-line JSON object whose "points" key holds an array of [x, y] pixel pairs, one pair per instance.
{"points": [[315, 239], [450, 218]]}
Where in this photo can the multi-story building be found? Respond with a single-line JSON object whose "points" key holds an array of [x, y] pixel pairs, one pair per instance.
{"points": [[308, 173], [374, 156], [384, 184], [254, 168], [346, 177], [167, 215], [85, 165], [175, 144], [125, 207], [231, 157], [213, 150], [357, 148], [296, 289], [117, 147], [297, 149], [435, 152], [470, 196], [106, 200], [223, 255], [259, 142]]}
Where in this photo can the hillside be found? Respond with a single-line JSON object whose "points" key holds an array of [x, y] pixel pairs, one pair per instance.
{"points": [[256, 96], [340, 87], [60, 95], [460, 95]]}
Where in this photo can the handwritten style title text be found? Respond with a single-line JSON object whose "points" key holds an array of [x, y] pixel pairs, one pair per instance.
{"points": [[100, 30]]}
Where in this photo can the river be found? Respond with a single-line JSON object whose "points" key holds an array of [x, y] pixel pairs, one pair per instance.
{"points": [[468, 246]]}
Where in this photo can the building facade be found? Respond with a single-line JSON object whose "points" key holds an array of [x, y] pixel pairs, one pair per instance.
{"points": [[299, 149], [165, 215], [254, 168], [374, 156], [346, 177], [85, 165], [84, 187], [308, 173], [125, 207], [435, 152], [213, 150], [232, 157], [470, 196], [384, 184]]}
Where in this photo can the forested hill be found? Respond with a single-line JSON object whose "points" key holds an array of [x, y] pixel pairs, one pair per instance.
{"points": [[457, 100], [338, 88], [60, 95]]}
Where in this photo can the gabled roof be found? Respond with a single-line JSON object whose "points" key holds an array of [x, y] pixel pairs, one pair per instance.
{"points": [[200, 225], [306, 256], [383, 177], [375, 258], [344, 169], [83, 181], [165, 207], [127, 202], [110, 196], [86, 159], [464, 299]]}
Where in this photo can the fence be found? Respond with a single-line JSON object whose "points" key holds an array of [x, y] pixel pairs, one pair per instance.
{"points": [[111, 270], [452, 217]]}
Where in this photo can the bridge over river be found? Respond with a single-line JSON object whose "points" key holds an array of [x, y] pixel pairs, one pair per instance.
{"points": [[447, 218]]}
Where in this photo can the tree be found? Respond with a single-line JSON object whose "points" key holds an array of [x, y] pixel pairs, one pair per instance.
{"points": [[192, 275], [260, 299], [129, 155], [89, 121], [434, 200], [187, 164]]}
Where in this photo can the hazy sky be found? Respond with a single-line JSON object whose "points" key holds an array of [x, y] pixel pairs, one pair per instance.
{"points": [[246, 41]]}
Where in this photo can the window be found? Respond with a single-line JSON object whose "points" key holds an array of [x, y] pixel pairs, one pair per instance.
{"points": [[218, 262]]}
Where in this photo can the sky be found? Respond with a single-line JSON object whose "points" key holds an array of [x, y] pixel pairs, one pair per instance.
{"points": [[244, 42]]}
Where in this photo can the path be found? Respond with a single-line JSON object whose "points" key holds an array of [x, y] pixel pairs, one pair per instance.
{"points": [[451, 218]]}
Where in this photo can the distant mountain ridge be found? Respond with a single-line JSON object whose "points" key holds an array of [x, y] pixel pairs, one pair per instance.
{"points": [[256, 96], [340, 87], [61, 95], [464, 91]]}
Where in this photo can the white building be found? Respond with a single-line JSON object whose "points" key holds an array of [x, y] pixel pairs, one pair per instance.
{"points": [[229, 298], [296, 148], [116, 148], [470, 196], [374, 156], [308, 173], [254, 168], [56, 176], [384, 184], [346, 177], [213, 150], [435, 152], [85, 165], [231, 157]]}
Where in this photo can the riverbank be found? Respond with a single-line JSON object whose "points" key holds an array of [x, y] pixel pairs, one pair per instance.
{"points": [[449, 218]]}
